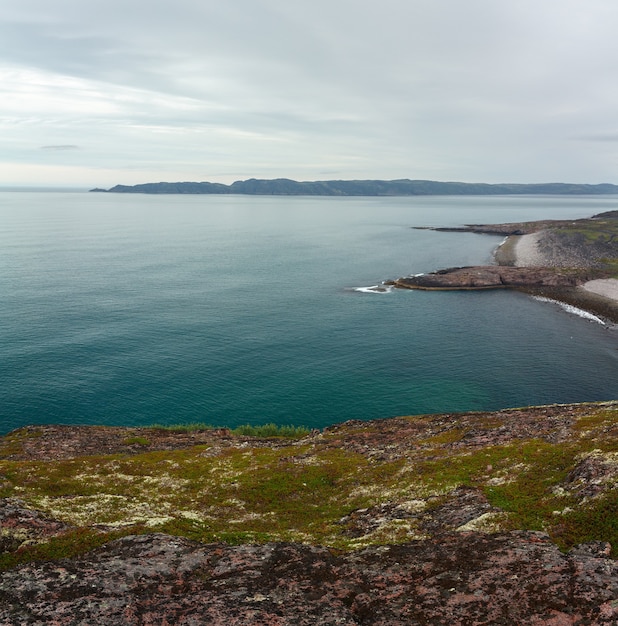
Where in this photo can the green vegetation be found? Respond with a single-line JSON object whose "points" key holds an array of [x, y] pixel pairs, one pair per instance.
{"points": [[246, 430], [67, 545], [12, 443], [593, 230], [137, 441], [599, 235], [183, 428], [300, 489], [611, 266], [271, 430]]}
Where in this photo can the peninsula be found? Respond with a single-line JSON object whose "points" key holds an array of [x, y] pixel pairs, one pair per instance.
{"points": [[574, 261], [401, 187]]}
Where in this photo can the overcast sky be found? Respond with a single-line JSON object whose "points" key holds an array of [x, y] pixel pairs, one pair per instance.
{"points": [[100, 92]]}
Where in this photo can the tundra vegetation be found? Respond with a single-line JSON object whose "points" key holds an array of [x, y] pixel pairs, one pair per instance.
{"points": [[357, 484]]}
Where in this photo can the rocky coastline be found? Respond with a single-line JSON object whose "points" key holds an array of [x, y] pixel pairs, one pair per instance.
{"points": [[571, 261]]}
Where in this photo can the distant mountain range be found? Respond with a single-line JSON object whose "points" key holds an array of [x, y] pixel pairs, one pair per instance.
{"points": [[402, 187]]}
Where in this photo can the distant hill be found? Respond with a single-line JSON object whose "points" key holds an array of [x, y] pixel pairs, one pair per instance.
{"points": [[403, 187]]}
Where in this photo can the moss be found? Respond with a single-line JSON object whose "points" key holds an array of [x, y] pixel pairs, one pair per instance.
{"points": [[445, 437], [599, 427], [593, 521], [271, 430], [137, 441], [299, 490], [529, 498], [67, 545]]}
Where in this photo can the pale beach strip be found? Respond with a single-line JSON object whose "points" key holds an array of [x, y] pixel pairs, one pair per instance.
{"points": [[527, 253], [606, 287]]}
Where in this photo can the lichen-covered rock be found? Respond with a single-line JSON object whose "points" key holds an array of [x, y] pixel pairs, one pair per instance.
{"points": [[593, 475], [460, 508], [456, 579], [20, 524], [415, 511]]}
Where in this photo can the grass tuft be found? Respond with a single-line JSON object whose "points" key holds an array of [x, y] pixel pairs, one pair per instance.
{"points": [[271, 430]]}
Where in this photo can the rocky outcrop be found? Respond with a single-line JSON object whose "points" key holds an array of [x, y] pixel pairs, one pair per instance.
{"points": [[19, 524], [457, 579], [460, 507], [53, 441], [492, 277]]}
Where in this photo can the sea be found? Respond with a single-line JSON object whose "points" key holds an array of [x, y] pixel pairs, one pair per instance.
{"points": [[128, 309]]}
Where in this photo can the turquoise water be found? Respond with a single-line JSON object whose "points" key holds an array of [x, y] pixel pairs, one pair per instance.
{"points": [[133, 310]]}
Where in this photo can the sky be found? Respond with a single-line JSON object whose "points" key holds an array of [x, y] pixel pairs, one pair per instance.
{"points": [[96, 93]]}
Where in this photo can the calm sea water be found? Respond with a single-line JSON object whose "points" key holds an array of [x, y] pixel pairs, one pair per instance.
{"points": [[134, 310]]}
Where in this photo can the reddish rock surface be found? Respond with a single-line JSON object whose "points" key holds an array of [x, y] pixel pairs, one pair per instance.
{"points": [[19, 523], [456, 579], [493, 277]]}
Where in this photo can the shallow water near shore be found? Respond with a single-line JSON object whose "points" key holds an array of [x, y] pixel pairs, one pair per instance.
{"points": [[133, 310]]}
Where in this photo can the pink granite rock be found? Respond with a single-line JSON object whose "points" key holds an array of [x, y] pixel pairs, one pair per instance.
{"points": [[456, 579]]}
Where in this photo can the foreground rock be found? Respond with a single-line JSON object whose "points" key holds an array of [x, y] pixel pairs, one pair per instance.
{"points": [[516, 578], [431, 519]]}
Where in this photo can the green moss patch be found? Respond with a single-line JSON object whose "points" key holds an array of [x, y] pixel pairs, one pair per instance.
{"points": [[301, 489]]}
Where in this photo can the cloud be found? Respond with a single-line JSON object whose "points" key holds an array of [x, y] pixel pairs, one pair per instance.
{"points": [[61, 147], [603, 137], [481, 90]]}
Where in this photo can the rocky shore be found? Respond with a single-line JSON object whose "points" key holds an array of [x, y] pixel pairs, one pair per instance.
{"points": [[575, 262], [468, 519]]}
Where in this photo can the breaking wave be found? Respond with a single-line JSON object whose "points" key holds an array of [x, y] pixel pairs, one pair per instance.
{"points": [[569, 308], [374, 289]]}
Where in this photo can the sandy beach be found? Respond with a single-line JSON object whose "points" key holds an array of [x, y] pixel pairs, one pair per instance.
{"points": [[606, 287], [527, 253]]}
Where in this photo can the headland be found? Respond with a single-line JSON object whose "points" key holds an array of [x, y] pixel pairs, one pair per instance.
{"points": [[572, 261]]}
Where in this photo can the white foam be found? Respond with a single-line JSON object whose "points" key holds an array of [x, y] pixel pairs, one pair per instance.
{"points": [[374, 289], [569, 308]]}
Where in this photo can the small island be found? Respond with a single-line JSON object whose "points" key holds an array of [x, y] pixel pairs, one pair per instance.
{"points": [[573, 261]]}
